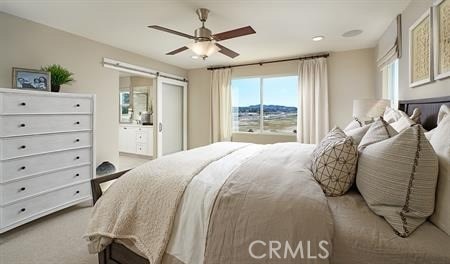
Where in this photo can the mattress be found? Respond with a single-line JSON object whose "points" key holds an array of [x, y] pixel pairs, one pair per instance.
{"points": [[363, 237]]}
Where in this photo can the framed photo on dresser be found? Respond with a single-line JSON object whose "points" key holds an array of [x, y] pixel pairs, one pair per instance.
{"points": [[441, 38], [29, 79], [420, 43]]}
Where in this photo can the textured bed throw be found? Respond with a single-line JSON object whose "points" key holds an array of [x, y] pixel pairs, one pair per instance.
{"points": [[149, 194]]}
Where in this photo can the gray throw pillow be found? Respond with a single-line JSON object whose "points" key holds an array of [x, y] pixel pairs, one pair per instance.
{"points": [[397, 178], [378, 131], [334, 163]]}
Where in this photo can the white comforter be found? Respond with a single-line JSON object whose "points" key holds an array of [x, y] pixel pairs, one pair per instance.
{"points": [[188, 239]]}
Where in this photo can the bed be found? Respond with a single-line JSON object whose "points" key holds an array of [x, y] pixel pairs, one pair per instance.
{"points": [[356, 234]]}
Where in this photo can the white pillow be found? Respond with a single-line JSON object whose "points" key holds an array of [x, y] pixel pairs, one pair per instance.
{"points": [[441, 144], [391, 115], [429, 134], [397, 178], [403, 123], [354, 124], [443, 112], [358, 133]]}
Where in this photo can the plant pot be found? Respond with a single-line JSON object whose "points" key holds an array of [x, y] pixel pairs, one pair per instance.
{"points": [[55, 88]]}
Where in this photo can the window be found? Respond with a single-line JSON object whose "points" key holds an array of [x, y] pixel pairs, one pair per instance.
{"points": [[390, 82], [275, 97]]}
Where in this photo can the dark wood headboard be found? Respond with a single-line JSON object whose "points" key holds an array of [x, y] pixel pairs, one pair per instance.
{"points": [[429, 108]]}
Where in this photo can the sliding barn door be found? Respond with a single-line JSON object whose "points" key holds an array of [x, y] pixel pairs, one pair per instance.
{"points": [[171, 116]]}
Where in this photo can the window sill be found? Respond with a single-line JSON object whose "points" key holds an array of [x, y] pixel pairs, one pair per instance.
{"points": [[264, 134]]}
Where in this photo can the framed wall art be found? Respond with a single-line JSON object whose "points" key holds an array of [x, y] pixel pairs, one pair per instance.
{"points": [[441, 38], [420, 50], [29, 79]]}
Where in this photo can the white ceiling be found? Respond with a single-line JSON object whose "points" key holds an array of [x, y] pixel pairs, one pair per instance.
{"points": [[283, 27]]}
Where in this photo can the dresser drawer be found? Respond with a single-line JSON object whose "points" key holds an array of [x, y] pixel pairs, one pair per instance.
{"points": [[39, 205], [141, 137], [29, 125], [45, 103], [17, 190], [29, 145], [22, 167], [142, 149]]}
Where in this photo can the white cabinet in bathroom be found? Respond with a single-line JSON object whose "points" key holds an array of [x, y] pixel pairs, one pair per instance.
{"points": [[136, 139]]}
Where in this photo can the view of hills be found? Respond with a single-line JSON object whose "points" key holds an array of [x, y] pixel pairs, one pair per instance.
{"points": [[267, 109]]}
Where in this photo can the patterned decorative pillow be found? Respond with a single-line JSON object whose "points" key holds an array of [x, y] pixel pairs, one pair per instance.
{"points": [[378, 131], [397, 178], [334, 163]]}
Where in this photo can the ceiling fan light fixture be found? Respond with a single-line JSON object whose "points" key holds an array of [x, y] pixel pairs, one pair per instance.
{"points": [[318, 38], [204, 48]]}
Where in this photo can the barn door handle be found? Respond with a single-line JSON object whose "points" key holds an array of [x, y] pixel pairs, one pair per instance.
{"points": [[160, 127]]}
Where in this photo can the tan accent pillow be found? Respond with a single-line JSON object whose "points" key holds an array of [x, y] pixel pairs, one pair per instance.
{"points": [[441, 144], [378, 131], [334, 163], [397, 178], [415, 117]]}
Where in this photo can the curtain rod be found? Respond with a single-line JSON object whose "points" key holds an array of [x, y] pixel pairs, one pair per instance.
{"points": [[272, 61]]}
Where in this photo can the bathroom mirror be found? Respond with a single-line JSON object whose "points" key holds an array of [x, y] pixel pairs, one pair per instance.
{"points": [[135, 98]]}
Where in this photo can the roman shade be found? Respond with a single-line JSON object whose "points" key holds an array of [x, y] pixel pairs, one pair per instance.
{"points": [[390, 44]]}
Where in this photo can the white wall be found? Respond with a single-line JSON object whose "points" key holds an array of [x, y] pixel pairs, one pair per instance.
{"points": [[434, 89], [30, 45], [351, 76]]}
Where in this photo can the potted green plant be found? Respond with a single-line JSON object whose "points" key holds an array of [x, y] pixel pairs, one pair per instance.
{"points": [[59, 76]]}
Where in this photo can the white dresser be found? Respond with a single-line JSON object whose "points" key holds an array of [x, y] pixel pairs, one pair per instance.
{"points": [[136, 139], [46, 153]]}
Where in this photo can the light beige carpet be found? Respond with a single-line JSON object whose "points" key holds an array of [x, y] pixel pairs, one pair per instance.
{"points": [[54, 239]]}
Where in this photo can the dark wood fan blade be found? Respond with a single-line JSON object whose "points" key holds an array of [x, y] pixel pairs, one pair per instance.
{"points": [[173, 52], [172, 31], [239, 32], [227, 51]]}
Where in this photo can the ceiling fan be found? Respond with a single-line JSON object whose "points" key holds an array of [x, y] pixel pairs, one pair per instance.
{"points": [[205, 43]]}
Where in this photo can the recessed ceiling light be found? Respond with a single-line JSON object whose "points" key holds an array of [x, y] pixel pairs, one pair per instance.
{"points": [[352, 33], [318, 38]]}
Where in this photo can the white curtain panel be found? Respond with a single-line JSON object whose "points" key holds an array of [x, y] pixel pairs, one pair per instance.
{"points": [[312, 118], [221, 119]]}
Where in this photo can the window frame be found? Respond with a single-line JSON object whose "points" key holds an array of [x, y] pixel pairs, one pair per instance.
{"points": [[261, 105], [390, 82]]}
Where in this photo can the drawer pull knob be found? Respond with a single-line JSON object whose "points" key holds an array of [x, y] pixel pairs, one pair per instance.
{"points": [[77, 123], [77, 140], [23, 168], [22, 125], [77, 192], [78, 157], [23, 189], [23, 210], [76, 175], [77, 105], [23, 147], [23, 104]]}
